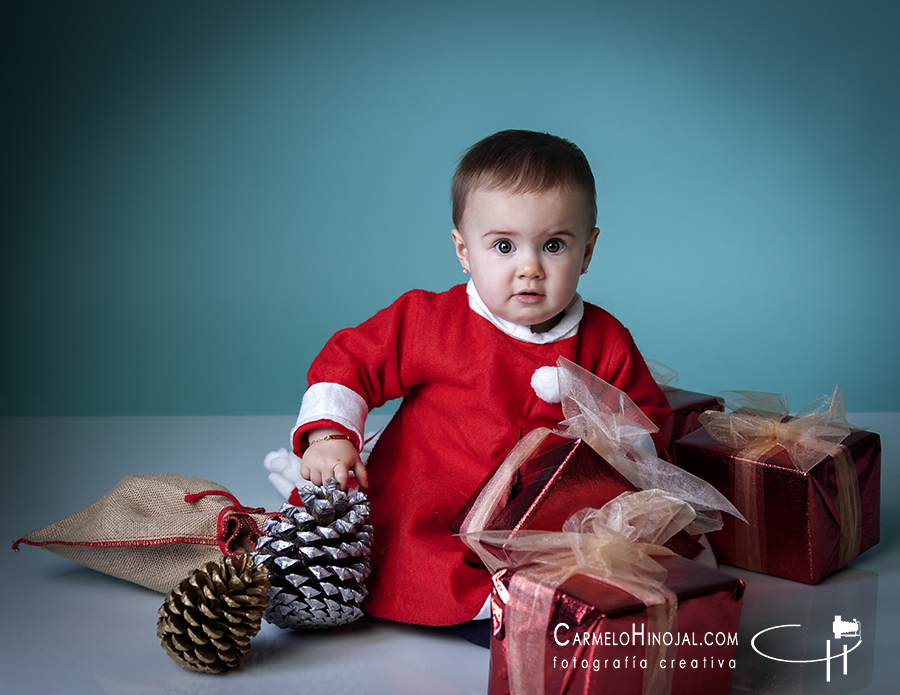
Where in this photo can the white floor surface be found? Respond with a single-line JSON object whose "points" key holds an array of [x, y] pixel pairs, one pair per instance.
{"points": [[67, 630]]}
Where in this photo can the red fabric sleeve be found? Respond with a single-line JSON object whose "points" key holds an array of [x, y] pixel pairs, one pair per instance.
{"points": [[375, 360]]}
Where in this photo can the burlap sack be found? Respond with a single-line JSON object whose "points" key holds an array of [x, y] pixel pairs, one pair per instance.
{"points": [[153, 530]]}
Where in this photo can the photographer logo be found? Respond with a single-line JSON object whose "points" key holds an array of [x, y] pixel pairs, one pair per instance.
{"points": [[842, 629]]}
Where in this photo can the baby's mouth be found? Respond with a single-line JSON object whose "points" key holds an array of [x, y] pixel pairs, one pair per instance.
{"points": [[529, 296]]}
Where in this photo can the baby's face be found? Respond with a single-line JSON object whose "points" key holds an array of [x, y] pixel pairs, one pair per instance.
{"points": [[526, 251]]}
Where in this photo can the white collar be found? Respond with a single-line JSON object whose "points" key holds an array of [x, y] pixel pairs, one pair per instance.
{"points": [[566, 328]]}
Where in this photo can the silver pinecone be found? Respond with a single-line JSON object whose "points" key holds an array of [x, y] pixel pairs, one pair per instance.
{"points": [[318, 560]]}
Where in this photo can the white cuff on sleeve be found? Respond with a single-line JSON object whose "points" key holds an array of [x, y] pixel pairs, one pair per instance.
{"points": [[334, 402]]}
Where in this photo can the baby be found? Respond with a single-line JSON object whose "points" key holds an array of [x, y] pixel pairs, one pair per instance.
{"points": [[471, 366]]}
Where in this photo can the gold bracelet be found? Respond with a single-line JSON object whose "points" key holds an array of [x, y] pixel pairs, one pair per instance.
{"points": [[327, 437]]}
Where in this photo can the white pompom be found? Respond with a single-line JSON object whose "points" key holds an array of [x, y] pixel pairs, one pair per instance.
{"points": [[545, 382]]}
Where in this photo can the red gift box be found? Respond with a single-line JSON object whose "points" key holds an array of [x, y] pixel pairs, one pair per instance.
{"points": [[809, 485], [560, 476], [686, 406], [597, 636], [794, 525]]}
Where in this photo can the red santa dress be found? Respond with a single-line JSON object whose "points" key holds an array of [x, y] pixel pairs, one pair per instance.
{"points": [[469, 383]]}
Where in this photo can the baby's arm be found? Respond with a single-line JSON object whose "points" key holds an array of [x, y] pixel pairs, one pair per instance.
{"points": [[359, 369], [326, 458]]}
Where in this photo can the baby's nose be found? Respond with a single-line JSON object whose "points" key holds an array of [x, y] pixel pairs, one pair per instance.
{"points": [[530, 267]]}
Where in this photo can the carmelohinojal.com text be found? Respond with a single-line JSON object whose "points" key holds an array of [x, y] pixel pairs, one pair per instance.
{"points": [[639, 637]]}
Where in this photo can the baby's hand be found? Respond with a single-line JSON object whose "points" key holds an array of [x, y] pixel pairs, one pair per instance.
{"points": [[332, 458]]}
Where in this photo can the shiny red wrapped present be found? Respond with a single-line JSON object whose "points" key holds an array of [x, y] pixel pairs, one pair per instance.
{"points": [[809, 486], [598, 609], [555, 475], [687, 406]]}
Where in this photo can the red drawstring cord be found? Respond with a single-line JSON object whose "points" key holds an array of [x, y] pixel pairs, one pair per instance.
{"points": [[237, 509], [223, 539]]}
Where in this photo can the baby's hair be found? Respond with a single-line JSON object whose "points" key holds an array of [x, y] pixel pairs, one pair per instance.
{"points": [[522, 161]]}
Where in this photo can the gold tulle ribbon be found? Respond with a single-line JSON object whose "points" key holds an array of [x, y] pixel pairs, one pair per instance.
{"points": [[614, 545], [757, 426], [617, 429]]}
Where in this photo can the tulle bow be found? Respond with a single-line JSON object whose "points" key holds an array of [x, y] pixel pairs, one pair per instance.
{"points": [[612, 424], [613, 544], [758, 424]]}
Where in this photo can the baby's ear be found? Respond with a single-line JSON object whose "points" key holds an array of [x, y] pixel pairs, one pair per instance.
{"points": [[462, 253], [589, 249]]}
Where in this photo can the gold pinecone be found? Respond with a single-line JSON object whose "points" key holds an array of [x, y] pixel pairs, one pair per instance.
{"points": [[206, 622]]}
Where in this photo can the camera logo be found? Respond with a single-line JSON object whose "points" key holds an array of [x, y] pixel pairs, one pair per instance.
{"points": [[840, 628], [844, 629]]}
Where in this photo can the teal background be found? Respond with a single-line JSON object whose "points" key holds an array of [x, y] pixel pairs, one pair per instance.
{"points": [[196, 195]]}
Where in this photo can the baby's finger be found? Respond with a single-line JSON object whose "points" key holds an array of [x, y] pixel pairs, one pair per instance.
{"points": [[362, 475], [311, 474], [341, 473]]}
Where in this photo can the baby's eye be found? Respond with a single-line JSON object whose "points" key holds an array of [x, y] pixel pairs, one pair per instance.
{"points": [[504, 246], [554, 245]]}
